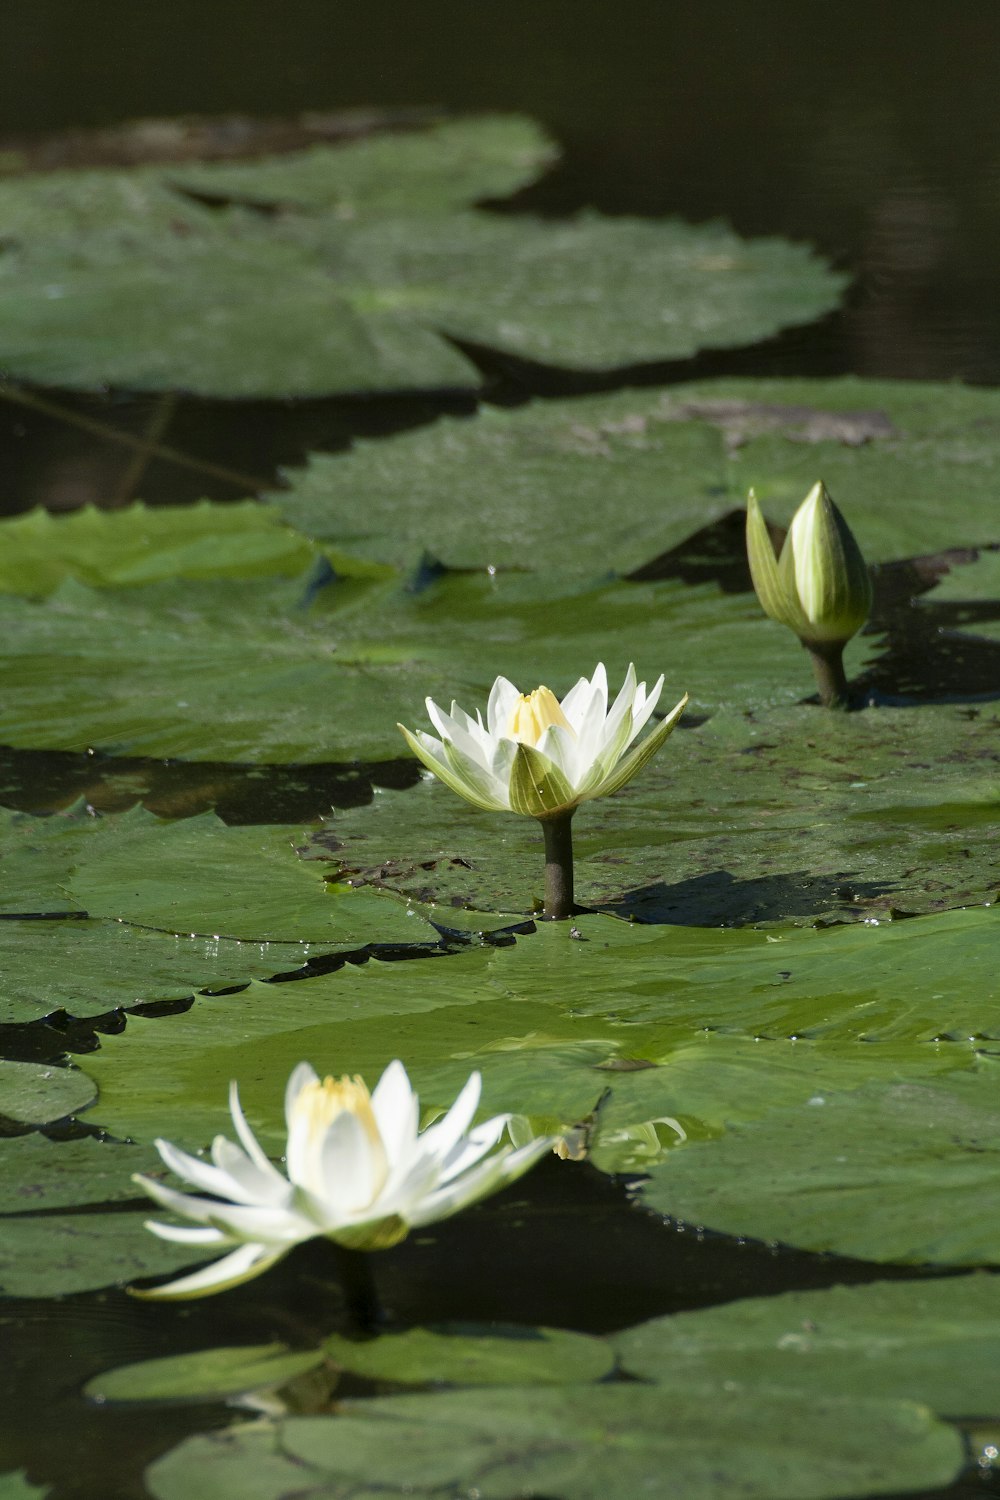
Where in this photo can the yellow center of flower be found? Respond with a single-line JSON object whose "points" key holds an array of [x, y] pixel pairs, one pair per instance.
{"points": [[533, 713], [319, 1104]]}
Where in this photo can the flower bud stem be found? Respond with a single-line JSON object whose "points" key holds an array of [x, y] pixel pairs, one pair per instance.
{"points": [[354, 1272], [558, 834], [827, 659]]}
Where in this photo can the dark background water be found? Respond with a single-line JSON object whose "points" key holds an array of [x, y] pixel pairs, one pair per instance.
{"points": [[870, 130]]}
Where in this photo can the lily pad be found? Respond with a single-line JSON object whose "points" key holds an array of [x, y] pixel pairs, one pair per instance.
{"points": [[207, 1375], [40, 1174], [909, 1166], [466, 1355], [538, 486], [738, 821], [579, 1443], [52, 1255], [32, 1094], [15, 1486], [350, 269], [937, 1342]]}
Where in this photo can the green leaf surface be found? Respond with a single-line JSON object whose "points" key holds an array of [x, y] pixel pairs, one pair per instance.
{"points": [[53, 1255], [893, 1172], [467, 1355], [579, 1443], [615, 480], [350, 270], [34, 1094], [39, 1174], [937, 1342], [798, 815], [144, 544], [15, 1486], [206, 1375]]}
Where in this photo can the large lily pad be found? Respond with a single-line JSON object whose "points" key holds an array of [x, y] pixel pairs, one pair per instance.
{"points": [[613, 481], [892, 1172], [31, 1094], [39, 1174], [734, 822], [465, 1355], [343, 270], [579, 1443], [52, 1255], [206, 1375], [937, 1342]]}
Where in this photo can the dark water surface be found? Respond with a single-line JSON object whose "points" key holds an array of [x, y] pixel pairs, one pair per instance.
{"points": [[870, 130]]}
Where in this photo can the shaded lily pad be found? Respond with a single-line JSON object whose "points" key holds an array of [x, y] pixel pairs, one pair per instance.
{"points": [[15, 1486], [207, 1375], [910, 1167], [32, 1094], [52, 1255], [43, 1174], [577, 1443], [937, 1342], [616, 480], [343, 270], [465, 1355]]}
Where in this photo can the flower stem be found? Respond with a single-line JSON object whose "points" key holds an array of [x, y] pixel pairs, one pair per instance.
{"points": [[354, 1272], [827, 659], [558, 835]]}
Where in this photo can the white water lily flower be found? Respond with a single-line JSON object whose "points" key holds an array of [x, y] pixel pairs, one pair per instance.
{"points": [[537, 756], [359, 1172]]}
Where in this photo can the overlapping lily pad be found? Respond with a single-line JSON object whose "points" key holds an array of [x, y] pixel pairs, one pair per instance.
{"points": [[40, 1174], [910, 1166], [52, 1255], [31, 1094], [348, 269], [580, 1443], [613, 481], [207, 1375]]}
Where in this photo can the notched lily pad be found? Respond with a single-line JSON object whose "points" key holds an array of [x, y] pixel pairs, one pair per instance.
{"points": [[32, 1094]]}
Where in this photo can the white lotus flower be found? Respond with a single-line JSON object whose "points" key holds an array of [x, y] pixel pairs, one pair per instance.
{"points": [[537, 756], [359, 1172]]}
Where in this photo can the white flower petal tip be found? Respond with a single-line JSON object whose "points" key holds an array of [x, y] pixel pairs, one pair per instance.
{"points": [[359, 1171], [539, 756]]}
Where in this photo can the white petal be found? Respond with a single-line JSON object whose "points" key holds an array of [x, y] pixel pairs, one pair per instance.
{"points": [[439, 1138], [577, 701], [490, 1175], [643, 705], [202, 1174], [300, 1078], [184, 1234], [562, 749], [243, 1264], [397, 1112], [248, 1183], [346, 1176], [248, 1140], [503, 696]]}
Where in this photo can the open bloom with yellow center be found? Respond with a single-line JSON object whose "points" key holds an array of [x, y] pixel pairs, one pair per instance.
{"points": [[820, 586], [359, 1172], [537, 756]]}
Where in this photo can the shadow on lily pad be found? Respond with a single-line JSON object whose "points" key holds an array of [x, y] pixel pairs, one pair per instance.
{"points": [[720, 899]]}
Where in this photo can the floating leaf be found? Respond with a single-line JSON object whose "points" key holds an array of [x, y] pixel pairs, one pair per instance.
{"points": [[464, 1354], [614, 481], [15, 1486], [52, 1255], [579, 1443], [40, 1174], [343, 270], [32, 1094], [937, 1342], [892, 1172], [206, 1375]]}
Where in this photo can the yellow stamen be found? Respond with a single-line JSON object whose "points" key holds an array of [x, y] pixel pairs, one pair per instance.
{"points": [[322, 1102], [533, 713]]}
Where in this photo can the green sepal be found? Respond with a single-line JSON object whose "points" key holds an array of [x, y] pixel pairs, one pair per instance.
{"points": [[537, 786], [641, 753], [842, 588], [447, 774], [771, 581]]}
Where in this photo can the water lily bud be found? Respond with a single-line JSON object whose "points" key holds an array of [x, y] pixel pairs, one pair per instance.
{"points": [[820, 586]]}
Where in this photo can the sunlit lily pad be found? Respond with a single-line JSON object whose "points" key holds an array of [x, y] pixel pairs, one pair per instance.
{"points": [[893, 1172], [581, 1443], [343, 270], [31, 1094], [39, 1174], [613, 481], [932, 1341], [52, 1255]]}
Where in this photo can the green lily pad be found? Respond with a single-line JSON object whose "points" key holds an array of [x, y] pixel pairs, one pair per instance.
{"points": [[892, 1172], [357, 275], [144, 544], [43, 1174], [466, 1355], [576, 1442], [534, 487], [776, 818], [53, 1255], [32, 1094], [15, 1486], [937, 1342], [207, 1375]]}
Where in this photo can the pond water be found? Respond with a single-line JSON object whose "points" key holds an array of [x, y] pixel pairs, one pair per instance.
{"points": [[870, 132]]}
